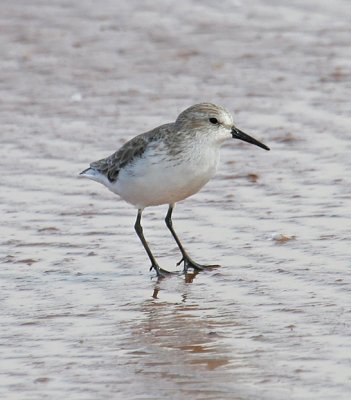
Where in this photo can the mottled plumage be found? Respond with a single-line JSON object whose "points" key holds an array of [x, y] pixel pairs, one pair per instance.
{"points": [[169, 164], [134, 148]]}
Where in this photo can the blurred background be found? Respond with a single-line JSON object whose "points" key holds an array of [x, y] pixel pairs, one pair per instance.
{"points": [[82, 316]]}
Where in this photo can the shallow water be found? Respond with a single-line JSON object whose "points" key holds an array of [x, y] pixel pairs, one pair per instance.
{"points": [[81, 315]]}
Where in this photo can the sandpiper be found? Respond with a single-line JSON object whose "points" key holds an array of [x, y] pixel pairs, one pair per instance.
{"points": [[169, 164]]}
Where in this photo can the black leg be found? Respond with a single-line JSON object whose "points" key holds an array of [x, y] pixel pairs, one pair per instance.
{"points": [[188, 262], [154, 265]]}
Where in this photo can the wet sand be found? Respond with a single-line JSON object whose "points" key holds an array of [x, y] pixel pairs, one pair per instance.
{"points": [[81, 315]]}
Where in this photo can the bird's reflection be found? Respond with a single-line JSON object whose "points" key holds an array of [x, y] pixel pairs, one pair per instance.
{"points": [[155, 292], [176, 333], [188, 278]]}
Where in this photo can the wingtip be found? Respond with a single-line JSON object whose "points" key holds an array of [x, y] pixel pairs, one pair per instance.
{"points": [[83, 172]]}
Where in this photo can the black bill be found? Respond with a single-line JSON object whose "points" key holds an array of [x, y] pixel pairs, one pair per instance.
{"points": [[238, 134]]}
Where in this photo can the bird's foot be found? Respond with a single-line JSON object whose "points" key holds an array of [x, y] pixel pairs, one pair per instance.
{"points": [[160, 272], [189, 263]]}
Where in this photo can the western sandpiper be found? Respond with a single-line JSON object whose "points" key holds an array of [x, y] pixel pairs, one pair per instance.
{"points": [[169, 164]]}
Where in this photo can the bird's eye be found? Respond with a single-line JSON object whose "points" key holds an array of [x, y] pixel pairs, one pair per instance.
{"points": [[213, 121]]}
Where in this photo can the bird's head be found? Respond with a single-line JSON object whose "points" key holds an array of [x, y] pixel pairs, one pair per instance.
{"points": [[215, 121]]}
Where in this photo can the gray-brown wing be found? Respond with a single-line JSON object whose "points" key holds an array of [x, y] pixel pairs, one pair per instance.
{"points": [[110, 166]]}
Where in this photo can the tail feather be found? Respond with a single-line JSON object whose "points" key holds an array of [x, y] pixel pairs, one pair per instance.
{"points": [[93, 174], [84, 172]]}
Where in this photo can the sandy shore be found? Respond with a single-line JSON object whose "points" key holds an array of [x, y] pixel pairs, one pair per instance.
{"points": [[81, 315]]}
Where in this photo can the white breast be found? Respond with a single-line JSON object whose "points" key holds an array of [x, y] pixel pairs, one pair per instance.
{"points": [[156, 178]]}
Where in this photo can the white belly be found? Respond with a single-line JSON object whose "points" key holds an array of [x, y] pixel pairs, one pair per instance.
{"points": [[154, 180]]}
